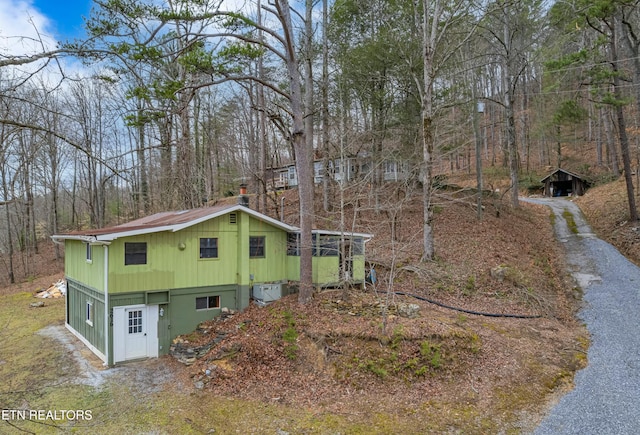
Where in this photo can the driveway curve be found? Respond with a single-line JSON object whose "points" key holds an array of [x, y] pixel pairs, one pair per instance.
{"points": [[606, 397]]}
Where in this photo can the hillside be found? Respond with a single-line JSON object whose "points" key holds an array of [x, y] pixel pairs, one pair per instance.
{"points": [[607, 210], [357, 355]]}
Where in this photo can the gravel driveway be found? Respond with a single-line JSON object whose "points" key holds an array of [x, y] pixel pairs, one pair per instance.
{"points": [[606, 398], [143, 377]]}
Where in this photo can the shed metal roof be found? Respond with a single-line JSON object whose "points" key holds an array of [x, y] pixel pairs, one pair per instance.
{"points": [[580, 177]]}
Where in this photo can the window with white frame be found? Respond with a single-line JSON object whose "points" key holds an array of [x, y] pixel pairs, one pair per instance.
{"points": [[390, 167], [135, 321], [208, 247], [89, 253], [89, 314], [207, 302]]}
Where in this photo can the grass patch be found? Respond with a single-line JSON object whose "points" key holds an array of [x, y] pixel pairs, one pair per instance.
{"points": [[408, 359], [37, 373], [290, 336], [22, 350], [571, 222]]}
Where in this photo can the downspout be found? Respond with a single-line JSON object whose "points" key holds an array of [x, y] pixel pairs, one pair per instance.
{"points": [[106, 304]]}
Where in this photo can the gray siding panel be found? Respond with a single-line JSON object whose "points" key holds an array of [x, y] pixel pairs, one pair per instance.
{"points": [[78, 296]]}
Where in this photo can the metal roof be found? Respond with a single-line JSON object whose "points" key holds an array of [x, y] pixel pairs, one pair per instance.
{"points": [[175, 221], [580, 177]]}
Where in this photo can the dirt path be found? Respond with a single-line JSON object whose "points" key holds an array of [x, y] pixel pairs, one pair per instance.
{"points": [[606, 397], [146, 376]]}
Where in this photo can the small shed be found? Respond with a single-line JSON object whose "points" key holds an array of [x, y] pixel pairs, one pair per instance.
{"points": [[564, 183]]}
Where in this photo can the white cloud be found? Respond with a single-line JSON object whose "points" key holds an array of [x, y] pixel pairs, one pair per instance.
{"points": [[23, 29]]}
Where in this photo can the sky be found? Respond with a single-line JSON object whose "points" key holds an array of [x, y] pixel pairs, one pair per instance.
{"points": [[55, 20], [65, 15]]}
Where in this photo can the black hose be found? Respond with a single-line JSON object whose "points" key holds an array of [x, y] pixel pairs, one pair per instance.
{"points": [[479, 313]]}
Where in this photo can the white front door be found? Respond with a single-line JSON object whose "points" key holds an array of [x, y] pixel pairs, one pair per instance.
{"points": [[135, 343], [135, 332]]}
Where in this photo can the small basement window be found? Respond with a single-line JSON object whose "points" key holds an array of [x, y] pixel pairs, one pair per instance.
{"points": [[89, 314], [135, 253], [207, 302]]}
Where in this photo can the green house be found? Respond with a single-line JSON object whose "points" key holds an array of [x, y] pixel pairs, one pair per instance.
{"points": [[133, 288]]}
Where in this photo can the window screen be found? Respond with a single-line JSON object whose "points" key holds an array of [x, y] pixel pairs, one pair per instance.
{"points": [[293, 244]]}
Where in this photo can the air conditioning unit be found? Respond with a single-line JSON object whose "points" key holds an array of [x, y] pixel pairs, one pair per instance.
{"points": [[267, 292]]}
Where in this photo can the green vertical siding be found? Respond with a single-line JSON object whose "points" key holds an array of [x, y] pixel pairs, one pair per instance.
{"points": [[169, 266], [164, 329], [273, 267], [242, 251], [173, 260], [180, 315], [359, 271], [78, 295], [184, 317], [326, 270], [293, 268], [121, 300], [79, 269]]}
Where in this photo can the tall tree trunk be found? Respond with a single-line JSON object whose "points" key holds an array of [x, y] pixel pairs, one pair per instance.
{"points": [[74, 191], [612, 151], [7, 196], [478, 108], [325, 106], [184, 156], [262, 139], [53, 162], [508, 80], [622, 128], [308, 81], [252, 144], [599, 133], [304, 155], [143, 182], [429, 36], [165, 174], [558, 146]]}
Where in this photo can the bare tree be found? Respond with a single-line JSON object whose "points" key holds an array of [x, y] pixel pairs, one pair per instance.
{"points": [[513, 28], [438, 20]]}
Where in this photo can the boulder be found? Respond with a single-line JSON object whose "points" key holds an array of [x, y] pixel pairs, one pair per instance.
{"points": [[408, 310]]}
